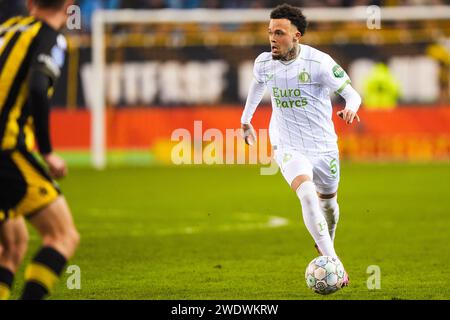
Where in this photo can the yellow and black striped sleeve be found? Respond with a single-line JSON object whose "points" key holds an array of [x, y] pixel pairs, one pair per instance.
{"points": [[17, 38], [45, 71], [31, 58]]}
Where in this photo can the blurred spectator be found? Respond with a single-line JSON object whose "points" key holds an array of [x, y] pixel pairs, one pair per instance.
{"points": [[440, 52], [381, 89], [11, 8]]}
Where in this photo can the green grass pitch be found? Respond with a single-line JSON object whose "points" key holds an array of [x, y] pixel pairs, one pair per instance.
{"points": [[230, 233]]}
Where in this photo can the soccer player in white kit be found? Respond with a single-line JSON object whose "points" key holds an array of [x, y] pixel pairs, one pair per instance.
{"points": [[300, 79]]}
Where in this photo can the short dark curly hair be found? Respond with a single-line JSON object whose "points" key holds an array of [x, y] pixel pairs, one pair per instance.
{"points": [[293, 14]]}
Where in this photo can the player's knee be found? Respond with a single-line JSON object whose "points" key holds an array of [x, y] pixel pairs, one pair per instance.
{"points": [[68, 238], [14, 251], [12, 247], [306, 192], [74, 238], [298, 181], [19, 253]]}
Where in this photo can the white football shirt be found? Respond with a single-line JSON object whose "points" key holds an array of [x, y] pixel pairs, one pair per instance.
{"points": [[300, 91]]}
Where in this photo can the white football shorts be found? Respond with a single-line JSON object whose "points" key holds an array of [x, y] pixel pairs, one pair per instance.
{"points": [[323, 170]]}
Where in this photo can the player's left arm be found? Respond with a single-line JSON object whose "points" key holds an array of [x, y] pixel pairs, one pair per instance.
{"points": [[352, 103], [45, 71], [335, 78]]}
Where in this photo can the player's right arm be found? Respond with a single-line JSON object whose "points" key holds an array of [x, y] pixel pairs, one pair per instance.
{"points": [[46, 69], [255, 95]]}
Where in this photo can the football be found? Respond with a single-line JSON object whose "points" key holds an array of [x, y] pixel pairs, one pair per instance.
{"points": [[324, 275]]}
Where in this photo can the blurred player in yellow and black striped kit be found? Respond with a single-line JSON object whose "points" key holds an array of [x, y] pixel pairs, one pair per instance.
{"points": [[32, 53]]}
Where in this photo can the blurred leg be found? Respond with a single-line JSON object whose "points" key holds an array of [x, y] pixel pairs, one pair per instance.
{"points": [[59, 239], [13, 247]]}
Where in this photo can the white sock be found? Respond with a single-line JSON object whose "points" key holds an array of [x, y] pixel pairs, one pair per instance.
{"points": [[330, 210], [314, 220]]}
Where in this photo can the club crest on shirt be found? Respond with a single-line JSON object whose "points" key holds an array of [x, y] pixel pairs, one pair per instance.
{"points": [[304, 77]]}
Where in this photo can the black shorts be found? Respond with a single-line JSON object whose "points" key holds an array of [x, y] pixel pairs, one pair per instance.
{"points": [[25, 186]]}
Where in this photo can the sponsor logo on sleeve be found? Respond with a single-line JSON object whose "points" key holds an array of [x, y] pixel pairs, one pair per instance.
{"points": [[338, 71]]}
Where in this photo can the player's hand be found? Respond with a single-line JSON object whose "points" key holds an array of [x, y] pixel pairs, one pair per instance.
{"points": [[56, 165], [249, 134], [348, 116]]}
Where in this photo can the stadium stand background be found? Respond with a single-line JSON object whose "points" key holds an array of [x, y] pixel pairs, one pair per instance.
{"points": [[160, 72]]}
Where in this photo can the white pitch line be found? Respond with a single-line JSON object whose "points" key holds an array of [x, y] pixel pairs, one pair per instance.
{"points": [[272, 223], [241, 221], [277, 222]]}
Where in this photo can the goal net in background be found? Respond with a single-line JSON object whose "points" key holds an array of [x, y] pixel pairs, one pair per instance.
{"points": [[145, 73]]}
